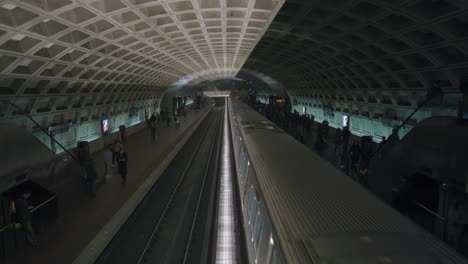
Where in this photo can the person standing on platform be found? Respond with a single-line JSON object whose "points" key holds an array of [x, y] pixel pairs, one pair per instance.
{"points": [[345, 148], [339, 145], [320, 144], [177, 122], [168, 120], [107, 157], [382, 148], [23, 215], [91, 176], [184, 113], [163, 116], [152, 125], [355, 155], [122, 165], [116, 147], [382, 143]]}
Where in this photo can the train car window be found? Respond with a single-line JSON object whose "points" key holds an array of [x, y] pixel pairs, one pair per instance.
{"points": [[254, 217], [243, 160], [258, 233], [249, 174], [252, 207], [274, 256], [243, 181], [249, 203], [243, 164]]}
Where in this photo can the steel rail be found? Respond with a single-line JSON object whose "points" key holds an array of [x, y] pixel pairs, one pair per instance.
{"points": [[167, 205]]}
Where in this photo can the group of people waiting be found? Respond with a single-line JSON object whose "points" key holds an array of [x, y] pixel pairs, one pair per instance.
{"points": [[115, 154], [352, 156], [285, 119], [165, 117]]}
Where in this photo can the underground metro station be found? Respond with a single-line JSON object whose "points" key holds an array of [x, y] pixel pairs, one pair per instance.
{"points": [[233, 131]]}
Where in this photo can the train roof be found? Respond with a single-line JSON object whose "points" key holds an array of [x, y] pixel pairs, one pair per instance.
{"points": [[321, 215]]}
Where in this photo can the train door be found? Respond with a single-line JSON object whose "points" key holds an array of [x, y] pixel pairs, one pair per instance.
{"points": [[243, 181], [257, 234], [252, 210]]}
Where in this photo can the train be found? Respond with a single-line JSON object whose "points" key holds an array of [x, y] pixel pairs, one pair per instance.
{"points": [[298, 208]]}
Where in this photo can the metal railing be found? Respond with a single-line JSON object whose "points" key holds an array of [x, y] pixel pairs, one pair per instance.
{"points": [[428, 219]]}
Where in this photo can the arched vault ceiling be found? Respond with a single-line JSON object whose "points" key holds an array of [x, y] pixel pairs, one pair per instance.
{"points": [[75, 47], [374, 48]]}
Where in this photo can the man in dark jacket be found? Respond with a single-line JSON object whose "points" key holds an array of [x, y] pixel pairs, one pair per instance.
{"points": [[23, 215], [355, 154], [122, 165], [346, 135], [339, 145], [168, 119], [91, 175], [152, 125]]}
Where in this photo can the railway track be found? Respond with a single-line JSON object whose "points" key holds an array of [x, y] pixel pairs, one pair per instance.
{"points": [[170, 225]]}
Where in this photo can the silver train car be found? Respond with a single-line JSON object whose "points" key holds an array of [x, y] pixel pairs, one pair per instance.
{"points": [[297, 208]]}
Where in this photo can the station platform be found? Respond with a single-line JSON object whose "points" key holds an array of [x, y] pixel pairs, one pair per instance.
{"points": [[310, 138], [376, 184], [82, 217]]}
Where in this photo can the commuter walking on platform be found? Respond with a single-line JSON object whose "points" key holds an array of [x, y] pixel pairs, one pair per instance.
{"points": [[345, 148], [355, 154], [107, 157], [90, 175], [122, 165], [162, 116], [382, 143], [325, 127], [177, 122], [153, 128], [339, 145], [366, 155], [23, 216], [168, 120], [320, 144], [116, 147], [382, 147]]}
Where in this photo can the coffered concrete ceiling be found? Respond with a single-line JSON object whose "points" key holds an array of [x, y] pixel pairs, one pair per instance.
{"points": [[98, 52]]}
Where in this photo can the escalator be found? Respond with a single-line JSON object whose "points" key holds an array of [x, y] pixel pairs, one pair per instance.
{"points": [[436, 146], [423, 173]]}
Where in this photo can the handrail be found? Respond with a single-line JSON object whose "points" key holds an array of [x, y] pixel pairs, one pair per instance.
{"points": [[430, 211], [32, 211], [40, 127], [432, 94], [4, 228], [43, 203]]}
